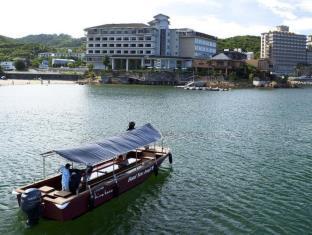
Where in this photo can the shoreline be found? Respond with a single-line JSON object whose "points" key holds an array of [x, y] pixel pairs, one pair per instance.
{"points": [[13, 82]]}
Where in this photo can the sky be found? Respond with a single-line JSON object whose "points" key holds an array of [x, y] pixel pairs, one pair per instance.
{"points": [[221, 18]]}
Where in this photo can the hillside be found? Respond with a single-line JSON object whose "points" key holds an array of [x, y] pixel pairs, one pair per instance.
{"points": [[4, 39], [28, 47], [247, 43], [54, 40]]}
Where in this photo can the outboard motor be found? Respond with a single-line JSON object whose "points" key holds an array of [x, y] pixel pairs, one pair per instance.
{"points": [[31, 205]]}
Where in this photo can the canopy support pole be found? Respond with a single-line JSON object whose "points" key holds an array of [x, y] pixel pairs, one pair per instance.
{"points": [[162, 145], [136, 160], [43, 162], [115, 178]]}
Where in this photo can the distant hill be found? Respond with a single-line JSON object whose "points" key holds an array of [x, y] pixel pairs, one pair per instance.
{"points": [[28, 47], [246, 43], [4, 39], [53, 40]]}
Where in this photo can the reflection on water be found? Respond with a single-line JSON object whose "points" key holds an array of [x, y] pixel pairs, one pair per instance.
{"points": [[242, 159]]}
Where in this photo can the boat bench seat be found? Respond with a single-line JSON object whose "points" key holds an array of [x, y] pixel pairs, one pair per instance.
{"points": [[46, 189], [58, 200]]}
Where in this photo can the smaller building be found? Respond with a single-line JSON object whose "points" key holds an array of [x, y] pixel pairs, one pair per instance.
{"points": [[7, 65], [44, 64], [69, 54], [61, 62], [222, 62]]}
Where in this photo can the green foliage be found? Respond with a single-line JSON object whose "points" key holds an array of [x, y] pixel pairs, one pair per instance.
{"points": [[90, 67], [246, 43], [106, 62], [9, 51], [36, 62], [20, 65]]}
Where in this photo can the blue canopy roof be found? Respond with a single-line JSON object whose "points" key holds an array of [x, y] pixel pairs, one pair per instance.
{"points": [[111, 147]]}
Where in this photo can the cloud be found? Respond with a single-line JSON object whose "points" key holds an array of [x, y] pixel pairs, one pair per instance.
{"points": [[300, 24], [216, 26], [282, 8]]}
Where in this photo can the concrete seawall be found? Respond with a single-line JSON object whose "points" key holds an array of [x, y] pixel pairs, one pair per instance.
{"points": [[43, 76]]}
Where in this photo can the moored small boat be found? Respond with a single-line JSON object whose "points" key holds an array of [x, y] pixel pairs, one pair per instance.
{"points": [[114, 165]]}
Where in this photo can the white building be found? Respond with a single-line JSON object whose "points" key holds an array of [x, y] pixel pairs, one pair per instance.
{"points": [[284, 49], [137, 45], [309, 41], [69, 54], [7, 65], [61, 62]]}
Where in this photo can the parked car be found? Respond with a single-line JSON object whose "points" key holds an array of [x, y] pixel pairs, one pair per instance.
{"points": [[3, 78]]}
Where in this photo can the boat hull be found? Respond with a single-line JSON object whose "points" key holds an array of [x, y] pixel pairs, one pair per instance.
{"points": [[99, 193]]}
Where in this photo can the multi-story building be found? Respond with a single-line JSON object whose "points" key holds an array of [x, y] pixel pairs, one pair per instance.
{"points": [[137, 45], [284, 49], [196, 45]]}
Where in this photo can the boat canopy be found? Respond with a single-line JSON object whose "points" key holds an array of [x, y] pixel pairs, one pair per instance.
{"points": [[111, 147]]}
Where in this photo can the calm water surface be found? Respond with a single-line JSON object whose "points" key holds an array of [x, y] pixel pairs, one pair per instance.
{"points": [[242, 159]]}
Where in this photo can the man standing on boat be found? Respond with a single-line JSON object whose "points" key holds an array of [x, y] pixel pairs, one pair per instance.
{"points": [[65, 177], [131, 126]]}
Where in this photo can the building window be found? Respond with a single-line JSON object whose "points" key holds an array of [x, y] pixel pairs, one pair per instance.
{"points": [[90, 45], [126, 52], [90, 51], [133, 39], [111, 38], [97, 51], [148, 38], [126, 32], [148, 52], [141, 38], [119, 32], [97, 39], [97, 45], [125, 45], [104, 39], [133, 45], [90, 39], [147, 45], [118, 52], [103, 31], [132, 52], [140, 45], [104, 51], [112, 32], [141, 52], [111, 45], [118, 39], [126, 38], [111, 52], [118, 45], [104, 45]]}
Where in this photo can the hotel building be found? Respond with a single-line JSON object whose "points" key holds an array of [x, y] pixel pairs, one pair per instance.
{"points": [[284, 49], [152, 45]]}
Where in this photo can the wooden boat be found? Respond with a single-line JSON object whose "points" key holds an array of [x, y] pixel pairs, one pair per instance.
{"points": [[118, 164]]}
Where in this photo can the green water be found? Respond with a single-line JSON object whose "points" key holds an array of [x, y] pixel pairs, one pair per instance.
{"points": [[242, 159]]}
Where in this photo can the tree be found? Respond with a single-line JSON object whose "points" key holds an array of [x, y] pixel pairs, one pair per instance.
{"points": [[90, 67], [20, 65], [1, 70], [106, 62]]}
